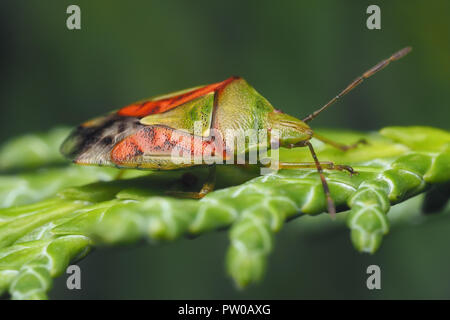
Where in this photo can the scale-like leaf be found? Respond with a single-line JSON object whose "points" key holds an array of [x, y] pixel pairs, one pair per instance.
{"points": [[53, 216]]}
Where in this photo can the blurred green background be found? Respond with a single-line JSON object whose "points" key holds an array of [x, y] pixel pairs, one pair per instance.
{"points": [[298, 54]]}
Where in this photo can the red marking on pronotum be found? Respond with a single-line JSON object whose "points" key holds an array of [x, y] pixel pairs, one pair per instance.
{"points": [[158, 106]]}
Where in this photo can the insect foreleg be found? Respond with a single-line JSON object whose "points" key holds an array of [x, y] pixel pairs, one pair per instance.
{"points": [[326, 189], [338, 145], [327, 165]]}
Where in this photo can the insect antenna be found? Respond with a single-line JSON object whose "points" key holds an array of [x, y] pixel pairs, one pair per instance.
{"points": [[357, 81], [326, 189]]}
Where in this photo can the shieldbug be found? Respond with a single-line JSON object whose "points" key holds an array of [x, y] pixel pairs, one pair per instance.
{"points": [[145, 134]]}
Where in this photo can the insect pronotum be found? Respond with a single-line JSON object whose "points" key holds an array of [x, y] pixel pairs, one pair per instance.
{"points": [[146, 134]]}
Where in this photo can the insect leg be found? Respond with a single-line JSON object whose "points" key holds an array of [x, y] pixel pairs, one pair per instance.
{"points": [[357, 81], [207, 187], [326, 189], [328, 165], [120, 175], [338, 145]]}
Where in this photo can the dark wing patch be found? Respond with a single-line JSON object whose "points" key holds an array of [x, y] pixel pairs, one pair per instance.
{"points": [[92, 142]]}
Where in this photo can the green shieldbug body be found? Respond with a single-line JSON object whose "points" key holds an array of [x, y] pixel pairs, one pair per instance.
{"points": [[160, 132]]}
